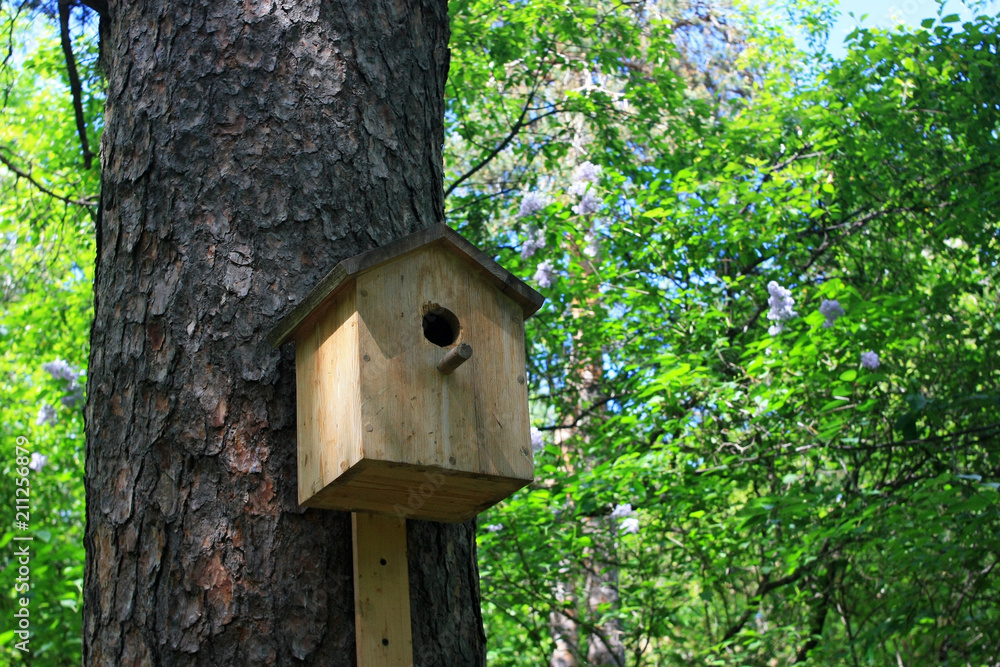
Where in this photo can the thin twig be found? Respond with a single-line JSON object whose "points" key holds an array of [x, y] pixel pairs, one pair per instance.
{"points": [[515, 130], [28, 177]]}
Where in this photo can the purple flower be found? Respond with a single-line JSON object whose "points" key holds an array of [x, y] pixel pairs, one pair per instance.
{"points": [[70, 400], [537, 443], [532, 202], [585, 176], [622, 511], [38, 461], [545, 275], [586, 172], [831, 310], [534, 242], [46, 415], [60, 370], [493, 527], [629, 525], [870, 360], [588, 204], [781, 303]]}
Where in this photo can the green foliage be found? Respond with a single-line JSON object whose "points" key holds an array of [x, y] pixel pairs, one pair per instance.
{"points": [[794, 504], [46, 209]]}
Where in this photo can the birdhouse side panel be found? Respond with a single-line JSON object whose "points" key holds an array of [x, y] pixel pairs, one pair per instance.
{"points": [[411, 412], [502, 429], [327, 368]]}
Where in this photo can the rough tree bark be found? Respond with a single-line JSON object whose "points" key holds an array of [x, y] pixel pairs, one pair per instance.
{"points": [[248, 148]]}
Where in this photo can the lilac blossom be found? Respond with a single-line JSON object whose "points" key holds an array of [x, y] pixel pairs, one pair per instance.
{"points": [[781, 304], [534, 243], [589, 203], [70, 400], [584, 176], [545, 275], [38, 461], [870, 360], [537, 443], [60, 370], [532, 202], [629, 526], [493, 527], [586, 172], [593, 247], [46, 415], [831, 310], [622, 511]]}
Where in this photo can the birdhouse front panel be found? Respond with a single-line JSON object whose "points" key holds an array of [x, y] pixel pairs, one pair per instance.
{"points": [[412, 397], [411, 313]]}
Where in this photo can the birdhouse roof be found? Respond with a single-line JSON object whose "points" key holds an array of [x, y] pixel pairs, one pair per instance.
{"points": [[436, 235]]}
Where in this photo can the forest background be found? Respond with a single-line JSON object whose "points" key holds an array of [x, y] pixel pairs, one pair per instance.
{"points": [[765, 386]]}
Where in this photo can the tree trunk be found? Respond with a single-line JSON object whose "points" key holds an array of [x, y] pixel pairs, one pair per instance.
{"points": [[604, 643], [248, 148]]}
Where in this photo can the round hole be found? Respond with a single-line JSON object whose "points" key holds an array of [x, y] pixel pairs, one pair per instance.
{"points": [[441, 327], [385, 642], [382, 561]]}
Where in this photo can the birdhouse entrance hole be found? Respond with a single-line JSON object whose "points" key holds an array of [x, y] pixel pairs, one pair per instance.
{"points": [[441, 327]]}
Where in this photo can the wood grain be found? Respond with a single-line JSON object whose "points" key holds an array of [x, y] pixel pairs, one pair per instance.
{"points": [[381, 592], [415, 492], [502, 429], [411, 412], [326, 379]]}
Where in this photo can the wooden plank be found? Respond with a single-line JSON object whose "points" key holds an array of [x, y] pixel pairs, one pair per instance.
{"points": [[502, 431], [432, 494], [381, 592], [328, 398], [411, 412], [442, 235]]}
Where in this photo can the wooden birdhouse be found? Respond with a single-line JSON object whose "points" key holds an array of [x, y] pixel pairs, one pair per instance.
{"points": [[410, 380]]}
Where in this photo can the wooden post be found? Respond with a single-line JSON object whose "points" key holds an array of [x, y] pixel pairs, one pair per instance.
{"points": [[381, 591]]}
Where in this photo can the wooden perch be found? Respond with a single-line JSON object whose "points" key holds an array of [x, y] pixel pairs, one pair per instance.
{"points": [[455, 358]]}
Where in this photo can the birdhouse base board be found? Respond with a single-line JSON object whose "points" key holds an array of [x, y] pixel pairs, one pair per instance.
{"points": [[413, 492]]}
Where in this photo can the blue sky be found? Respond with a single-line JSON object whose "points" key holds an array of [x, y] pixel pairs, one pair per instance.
{"points": [[887, 13]]}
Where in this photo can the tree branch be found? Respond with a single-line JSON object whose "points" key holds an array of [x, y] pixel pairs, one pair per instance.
{"points": [[766, 586], [74, 81], [28, 177], [819, 615], [519, 125]]}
